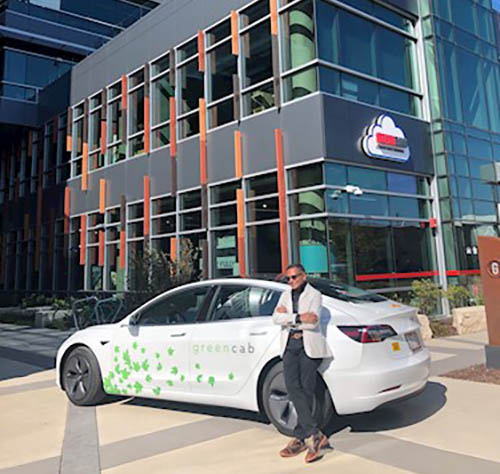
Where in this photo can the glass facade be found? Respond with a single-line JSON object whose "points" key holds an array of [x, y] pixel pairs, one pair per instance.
{"points": [[458, 37]]}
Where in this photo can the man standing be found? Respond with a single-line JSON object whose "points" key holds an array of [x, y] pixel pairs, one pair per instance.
{"points": [[303, 347]]}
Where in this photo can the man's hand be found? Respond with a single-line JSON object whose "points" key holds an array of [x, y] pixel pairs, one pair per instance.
{"points": [[281, 309], [309, 318]]}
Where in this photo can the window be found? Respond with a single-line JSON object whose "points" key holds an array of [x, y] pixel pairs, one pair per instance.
{"points": [[222, 65], [183, 307], [192, 89], [78, 138], [258, 91], [136, 113], [115, 145], [161, 92], [114, 275], [96, 158], [238, 302]]}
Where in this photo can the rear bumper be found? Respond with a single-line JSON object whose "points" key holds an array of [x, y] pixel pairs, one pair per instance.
{"points": [[357, 392]]}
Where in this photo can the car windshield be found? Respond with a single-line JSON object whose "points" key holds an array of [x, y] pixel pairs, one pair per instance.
{"points": [[344, 292]]}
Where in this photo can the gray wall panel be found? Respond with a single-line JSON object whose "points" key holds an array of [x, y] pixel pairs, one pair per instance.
{"points": [[159, 170], [136, 169], [188, 164], [220, 154], [302, 124]]}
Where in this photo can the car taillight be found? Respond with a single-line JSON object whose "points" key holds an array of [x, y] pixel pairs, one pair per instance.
{"points": [[366, 334]]}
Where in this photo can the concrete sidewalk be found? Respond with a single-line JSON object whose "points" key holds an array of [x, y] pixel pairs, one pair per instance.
{"points": [[451, 427]]}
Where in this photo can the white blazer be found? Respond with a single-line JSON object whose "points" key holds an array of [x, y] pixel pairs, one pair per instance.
{"points": [[315, 344]]}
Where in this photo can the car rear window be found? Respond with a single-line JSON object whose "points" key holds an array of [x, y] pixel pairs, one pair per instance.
{"points": [[345, 292]]}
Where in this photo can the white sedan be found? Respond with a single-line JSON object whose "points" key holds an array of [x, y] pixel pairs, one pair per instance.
{"points": [[214, 343]]}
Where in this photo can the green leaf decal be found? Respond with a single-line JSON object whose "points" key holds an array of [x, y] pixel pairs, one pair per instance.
{"points": [[125, 374], [170, 351], [117, 349], [116, 359], [120, 380], [137, 366], [157, 355], [198, 379], [126, 359], [159, 367], [138, 388], [124, 392], [197, 366], [170, 383], [111, 375], [182, 378], [145, 365], [117, 368], [231, 376], [174, 370], [134, 345], [143, 350], [211, 381], [148, 378], [156, 391], [129, 385]]}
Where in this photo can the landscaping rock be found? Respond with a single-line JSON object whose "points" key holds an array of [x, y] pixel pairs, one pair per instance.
{"points": [[425, 327], [469, 320]]}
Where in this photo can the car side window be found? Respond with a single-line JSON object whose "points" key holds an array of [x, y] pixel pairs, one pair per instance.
{"points": [[182, 307], [238, 301]]}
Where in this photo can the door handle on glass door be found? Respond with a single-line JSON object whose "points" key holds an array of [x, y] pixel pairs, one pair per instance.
{"points": [[181, 334], [258, 333]]}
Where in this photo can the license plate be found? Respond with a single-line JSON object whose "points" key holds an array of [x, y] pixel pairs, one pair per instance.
{"points": [[413, 341]]}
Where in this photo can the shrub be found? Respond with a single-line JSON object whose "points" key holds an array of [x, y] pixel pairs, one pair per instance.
{"points": [[425, 295], [458, 296]]}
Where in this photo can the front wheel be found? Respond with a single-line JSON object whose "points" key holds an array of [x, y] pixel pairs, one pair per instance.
{"points": [[81, 378], [280, 409]]}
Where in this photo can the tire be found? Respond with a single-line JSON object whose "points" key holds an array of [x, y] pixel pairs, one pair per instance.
{"points": [[280, 410], [81, 378]]}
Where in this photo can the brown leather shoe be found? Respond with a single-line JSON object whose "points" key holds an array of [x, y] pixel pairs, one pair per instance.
{"points": [[315, 444], [294, 447]]}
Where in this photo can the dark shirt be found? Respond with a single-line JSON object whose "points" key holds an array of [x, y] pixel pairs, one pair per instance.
{"points": [[295, 304]]}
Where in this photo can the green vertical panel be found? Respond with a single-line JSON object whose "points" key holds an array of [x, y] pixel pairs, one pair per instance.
{"points": [[449, 246]]}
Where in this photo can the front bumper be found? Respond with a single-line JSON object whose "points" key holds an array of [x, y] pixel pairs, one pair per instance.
{"points": [[355, 391]]}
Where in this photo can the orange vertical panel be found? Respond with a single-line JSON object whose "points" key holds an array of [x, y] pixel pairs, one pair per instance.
{"points": [[273, 7], [282, 198], [203, 142], [101, 249], [67, 208], [173, 248], [203, 119], [238, 164], [69, 130], [241, 232], [85, 167], [102, 196], [104, 131], [201, 51], [83, 239], [147, 126], [234, 33], [124, 92], [147, 206], [173, 138], [123, 249]]}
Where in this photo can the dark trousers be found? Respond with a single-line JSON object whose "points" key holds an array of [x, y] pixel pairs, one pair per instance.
{"points": [[300, 373]]}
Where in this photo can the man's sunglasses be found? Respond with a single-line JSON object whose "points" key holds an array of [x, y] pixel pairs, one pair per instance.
{"points": [[293, 277]]}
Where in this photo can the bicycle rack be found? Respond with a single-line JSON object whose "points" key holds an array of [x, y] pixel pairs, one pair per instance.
{"points": [[91, 311]]}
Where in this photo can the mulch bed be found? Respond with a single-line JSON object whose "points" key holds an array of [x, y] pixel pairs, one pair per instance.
{"points": [[476, 373]]}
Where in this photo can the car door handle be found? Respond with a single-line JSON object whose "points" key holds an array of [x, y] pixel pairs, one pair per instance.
{"points": [[181, 334], [258, 333]]}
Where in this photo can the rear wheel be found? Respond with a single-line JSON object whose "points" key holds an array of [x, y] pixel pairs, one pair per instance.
{"points": [[81, 377], [280, 409]]}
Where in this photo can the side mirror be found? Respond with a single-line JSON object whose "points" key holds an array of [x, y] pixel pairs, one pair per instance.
{"points": [[134, 320]]}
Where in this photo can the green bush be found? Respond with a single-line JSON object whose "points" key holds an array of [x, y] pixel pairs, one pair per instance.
{"points": [[425, 296], [458, 296]]}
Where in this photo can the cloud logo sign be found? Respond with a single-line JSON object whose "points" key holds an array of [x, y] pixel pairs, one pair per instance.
{"points": [[386, 141]]}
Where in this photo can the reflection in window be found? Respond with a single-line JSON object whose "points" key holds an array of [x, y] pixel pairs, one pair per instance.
{"points": [[310, 249], [225, 253], [265, 251], [372, 247]]}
